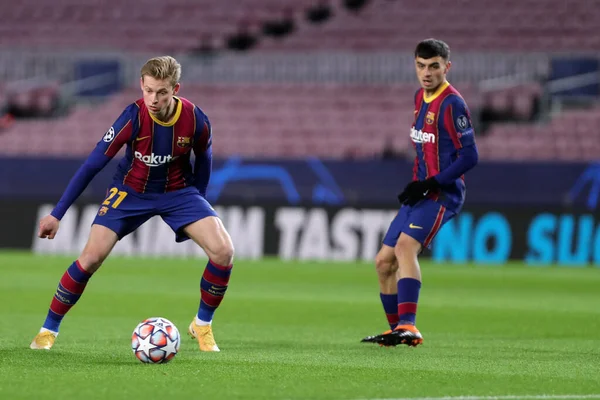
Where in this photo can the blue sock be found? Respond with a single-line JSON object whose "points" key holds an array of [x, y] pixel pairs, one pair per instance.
{"points": [[68, 292], [212, 289], [408, 297], [390, 306]]}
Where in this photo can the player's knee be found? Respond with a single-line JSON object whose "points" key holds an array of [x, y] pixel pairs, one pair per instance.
{"points": [[91, 260], [223, 254], [407, 247], [385, 266]]}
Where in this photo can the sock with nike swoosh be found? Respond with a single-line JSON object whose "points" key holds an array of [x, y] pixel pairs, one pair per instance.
{"points": [[408, 297], [213, 286], [69, 290]]}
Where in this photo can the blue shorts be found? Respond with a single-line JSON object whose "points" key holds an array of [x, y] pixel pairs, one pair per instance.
{"points": [[421, 222], [124, 210]]}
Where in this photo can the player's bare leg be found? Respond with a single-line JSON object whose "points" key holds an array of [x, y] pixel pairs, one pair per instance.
{"points": [[70, 288], [99, 245], [386, 266], [210, 234], [408, 284], [407, 250]]}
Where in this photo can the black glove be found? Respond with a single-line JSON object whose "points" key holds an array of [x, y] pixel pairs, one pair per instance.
{"points": [[417, 190]]}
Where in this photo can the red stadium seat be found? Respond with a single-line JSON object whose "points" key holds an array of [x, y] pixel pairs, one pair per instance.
{"points": [[468, 25], [329, 121]]}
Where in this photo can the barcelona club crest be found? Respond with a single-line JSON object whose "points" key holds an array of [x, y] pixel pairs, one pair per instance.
{"points": [[102, 210], [184, 141], [430, 118]]}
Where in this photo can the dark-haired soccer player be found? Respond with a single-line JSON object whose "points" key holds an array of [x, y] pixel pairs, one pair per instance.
{"points": [[444, 142], [155, 177]]}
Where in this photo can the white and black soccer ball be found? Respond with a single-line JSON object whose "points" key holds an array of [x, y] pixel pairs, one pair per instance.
{"points": [[155, 340]]}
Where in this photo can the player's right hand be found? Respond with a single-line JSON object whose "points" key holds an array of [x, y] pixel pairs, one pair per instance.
{"points": [[48, 227], [416, 191]]}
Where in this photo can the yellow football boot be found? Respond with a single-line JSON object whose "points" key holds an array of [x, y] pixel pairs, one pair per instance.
{"points": [[43, 341], [204, 335]]}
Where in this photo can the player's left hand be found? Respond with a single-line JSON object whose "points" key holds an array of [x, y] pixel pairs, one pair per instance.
{"points": [[417, 190]]}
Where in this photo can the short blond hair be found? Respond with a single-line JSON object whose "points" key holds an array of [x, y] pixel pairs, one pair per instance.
{"points": [[165, 67]]}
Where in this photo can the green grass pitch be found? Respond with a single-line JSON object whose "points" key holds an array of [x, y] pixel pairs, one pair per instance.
{"points": [[292, 330]]}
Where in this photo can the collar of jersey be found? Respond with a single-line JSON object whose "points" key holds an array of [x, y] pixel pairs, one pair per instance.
{"points": [[437, 93], [173, 120]]}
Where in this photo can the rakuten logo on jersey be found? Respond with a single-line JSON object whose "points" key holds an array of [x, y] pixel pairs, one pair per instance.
{"points": [[153, 160], [418, 136]]}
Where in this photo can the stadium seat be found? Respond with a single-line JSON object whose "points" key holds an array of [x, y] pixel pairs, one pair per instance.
{"points": [[329, 121], [524, 25]]}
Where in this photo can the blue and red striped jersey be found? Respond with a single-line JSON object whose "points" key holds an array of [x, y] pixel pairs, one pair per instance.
{"points": [[158, 154], [157, 158], [441, 129]]}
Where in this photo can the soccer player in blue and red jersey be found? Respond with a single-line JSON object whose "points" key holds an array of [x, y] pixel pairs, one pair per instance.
{"points": [[155, 177], [444, 142]]}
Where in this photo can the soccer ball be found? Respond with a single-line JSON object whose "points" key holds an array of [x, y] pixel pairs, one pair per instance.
{"points": [[155, 341]]}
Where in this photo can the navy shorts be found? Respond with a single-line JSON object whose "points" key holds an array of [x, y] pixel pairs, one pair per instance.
{"points": [[421, 222], [124, 210]]}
